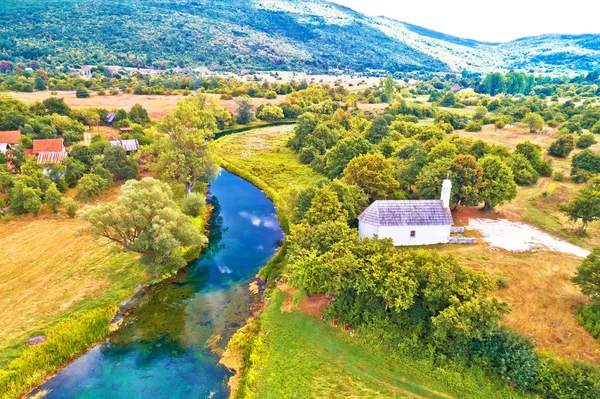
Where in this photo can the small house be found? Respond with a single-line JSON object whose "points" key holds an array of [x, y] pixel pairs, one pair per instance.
{"points": [[110, 119], [425, 222], [9, 139], [128, 145], [124, 130], [455, 87], [50, 151]]}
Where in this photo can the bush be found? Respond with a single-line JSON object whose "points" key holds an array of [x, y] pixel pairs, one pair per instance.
{"points": [[589, 317], [557, 378], [562, 147], [559, 176], [508, 353], [71, 207], [474, 126], [270, 95], [82, 92], [500, 124], [90, 186], [586, 141], [193, 204]]}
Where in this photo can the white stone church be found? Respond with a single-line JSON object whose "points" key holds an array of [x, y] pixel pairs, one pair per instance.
{"points": [[409, 222]]}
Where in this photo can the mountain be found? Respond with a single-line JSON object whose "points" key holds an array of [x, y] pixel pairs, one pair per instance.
{"points": [[309, 35]]}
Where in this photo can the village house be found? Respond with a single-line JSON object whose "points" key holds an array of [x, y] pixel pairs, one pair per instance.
{"points": [[110, 119], [9, 139], [49, 151], [424, 222], [128, 145], [124, 130]]}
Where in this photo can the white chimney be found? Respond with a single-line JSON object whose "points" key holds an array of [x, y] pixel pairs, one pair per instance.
{"points": [[446, 191]]}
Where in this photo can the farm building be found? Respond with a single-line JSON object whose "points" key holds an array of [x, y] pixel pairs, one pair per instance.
{"points": [[51, 151], [409, 222], [9, 139], [124, 130], [110, 119], [128, 145]]}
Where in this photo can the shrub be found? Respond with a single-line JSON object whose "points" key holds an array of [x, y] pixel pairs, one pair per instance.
{"points": [[510, 354], [500, 124], [53, 198], [557, 378], [562, 147], [270, 95], [71, 207], [586, 141], [589, 317], [82, 92], [90, 186], [474, 126], [193, 204], [559, 176]]}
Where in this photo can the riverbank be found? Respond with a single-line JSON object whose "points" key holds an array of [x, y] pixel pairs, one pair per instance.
{"points": [[66, 292]]}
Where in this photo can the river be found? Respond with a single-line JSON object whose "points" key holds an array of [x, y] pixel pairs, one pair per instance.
{"points": [[162, 350]]}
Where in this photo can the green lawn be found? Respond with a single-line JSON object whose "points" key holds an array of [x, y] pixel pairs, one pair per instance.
{"points": [[305, 357]]}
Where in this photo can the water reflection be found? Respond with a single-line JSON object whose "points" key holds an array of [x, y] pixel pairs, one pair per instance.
{"points": [[161, 349]]}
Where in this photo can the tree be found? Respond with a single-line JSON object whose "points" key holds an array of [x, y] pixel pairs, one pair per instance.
{"points": [[53, 198], [90, 116], [6, 66], [82, 92], [145, 219], [270, 113], [25, 199], [325, 206], [55, 105], [429, 182], [533, 121], [193, 204], [38, 83], [587, 276], [378, 130], [467, 180], [374, 174], [562, 147], [183, 155], [480, 112], [389, 87], [244, 111], [585, 207], [119, 164], [586, 141], [494, 83], [74, 171], [523, 172], [138, 114], [342, 153], [498, 182], [90, 186]]}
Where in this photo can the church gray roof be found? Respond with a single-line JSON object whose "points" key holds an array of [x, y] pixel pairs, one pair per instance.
{"points": [[407, 213]]}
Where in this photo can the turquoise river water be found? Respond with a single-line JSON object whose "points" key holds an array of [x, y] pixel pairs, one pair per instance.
{"points": [[161, 350]]}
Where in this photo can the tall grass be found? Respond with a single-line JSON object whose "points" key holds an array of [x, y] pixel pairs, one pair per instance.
{"points": [[64, 342]]}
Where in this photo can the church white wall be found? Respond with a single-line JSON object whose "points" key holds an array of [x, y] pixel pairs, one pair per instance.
{"points": [[401, 235]]}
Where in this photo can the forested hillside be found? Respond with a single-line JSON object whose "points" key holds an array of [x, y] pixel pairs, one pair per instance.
{"points": [[217, 34], [302, 35]]}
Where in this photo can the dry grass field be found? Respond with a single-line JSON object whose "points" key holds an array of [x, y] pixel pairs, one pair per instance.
{"points": [[157, 106], [49, 271]]}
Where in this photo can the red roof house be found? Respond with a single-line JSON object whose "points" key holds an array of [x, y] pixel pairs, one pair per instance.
{"points": [[9, 139], [50, 151], [50, 145]]}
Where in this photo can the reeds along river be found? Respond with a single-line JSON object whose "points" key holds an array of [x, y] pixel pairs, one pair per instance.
{"points": [[161, 350]]}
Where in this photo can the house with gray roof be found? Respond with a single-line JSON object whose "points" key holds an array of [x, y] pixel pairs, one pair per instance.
{"points": [[407, 223]]}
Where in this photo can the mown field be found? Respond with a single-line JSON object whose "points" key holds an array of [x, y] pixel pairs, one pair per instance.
{"points": [[49, 272], [157, 106]]}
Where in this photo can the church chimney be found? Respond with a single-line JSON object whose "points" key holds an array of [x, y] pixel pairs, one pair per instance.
{"points": [[446, 191]]}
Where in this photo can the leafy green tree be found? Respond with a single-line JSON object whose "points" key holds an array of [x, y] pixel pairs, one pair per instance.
{"points": [[39, 84], [586, 141], [184, 155], [494, 83], [83, 154], [413, 159], [91, 186], [586, 160], [389, 87], [325, 206], [270, 113], [523, 172], [145, 219], [53, 198], [119, 164], [585, 207], [342, 153], [533, 121], [429, 182], [82, 92], [533, 153], [25, 199], [74, 171], [562, 147], [498, 182], [587, 276], [467, 180], [307, 123], [378, 130], [193, 204], [57, 106], [244, 111], [374, 174], [138, 114]]}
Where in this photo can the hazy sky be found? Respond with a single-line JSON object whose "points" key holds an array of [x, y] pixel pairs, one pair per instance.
{"points": [[500, 20]]}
